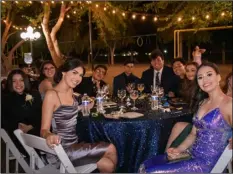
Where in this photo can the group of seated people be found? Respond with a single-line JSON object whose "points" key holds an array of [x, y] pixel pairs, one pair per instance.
{"points": [[53, 108]]}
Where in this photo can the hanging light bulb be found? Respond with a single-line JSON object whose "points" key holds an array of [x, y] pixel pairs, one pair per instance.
{"points": [[179, 19], [68, 16], [96, 5], [30, 2], [222, 14], [193, 18], [52, 2], [105, 8], [143, 17], [155, 19], [134, 16], [74, 12], [113, 11], [207, 16], [123, 14]]}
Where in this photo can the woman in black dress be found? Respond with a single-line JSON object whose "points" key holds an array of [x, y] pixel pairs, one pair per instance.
{"points": [[21, 108]]}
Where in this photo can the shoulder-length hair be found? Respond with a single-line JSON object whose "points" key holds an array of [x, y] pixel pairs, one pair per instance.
{"points": [[42, 76], [9, 83], [226, 86]]}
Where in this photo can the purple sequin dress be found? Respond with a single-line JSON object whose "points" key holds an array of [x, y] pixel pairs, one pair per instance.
{"points": [[212, 137]]}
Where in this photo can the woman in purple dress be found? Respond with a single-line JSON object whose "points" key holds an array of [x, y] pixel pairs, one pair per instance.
{"points": [[210, 134]]}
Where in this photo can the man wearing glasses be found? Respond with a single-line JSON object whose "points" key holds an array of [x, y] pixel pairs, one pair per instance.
{"points": [[123, 79], [90, 85]]}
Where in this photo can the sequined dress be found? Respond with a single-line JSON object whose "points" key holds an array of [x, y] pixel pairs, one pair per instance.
{"points": [[212, 137], [64, 125]]}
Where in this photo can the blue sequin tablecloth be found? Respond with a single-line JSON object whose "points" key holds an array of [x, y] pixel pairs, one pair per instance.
{"points": [[135, 139]]}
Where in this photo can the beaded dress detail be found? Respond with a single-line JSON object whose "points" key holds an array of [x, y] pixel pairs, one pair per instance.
{"points": [[212, 137]]}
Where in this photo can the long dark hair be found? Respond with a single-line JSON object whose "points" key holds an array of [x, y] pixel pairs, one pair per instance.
{"points": [[200, 95], [9, 83], [69, 64], [42, 76], [225, 87]]}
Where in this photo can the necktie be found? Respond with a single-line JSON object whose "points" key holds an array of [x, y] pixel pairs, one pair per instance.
{"points": [[157, 79]]}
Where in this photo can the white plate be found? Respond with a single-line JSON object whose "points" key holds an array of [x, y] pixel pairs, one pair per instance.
{"points": [[131, 115], [109, 103]]}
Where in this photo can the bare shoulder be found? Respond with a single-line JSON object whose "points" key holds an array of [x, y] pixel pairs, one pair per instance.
{"points": [[46, 82], [50, 95]]}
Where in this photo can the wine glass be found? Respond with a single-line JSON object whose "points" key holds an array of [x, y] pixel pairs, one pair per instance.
{"points": [[160, 95], [106, 92], [140, 87], [134, 96], [121, 94]]}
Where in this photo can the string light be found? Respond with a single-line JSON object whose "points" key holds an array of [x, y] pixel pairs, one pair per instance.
{"points": [[16, 2], [68, 16], [71, 2], [105, 8], [3, 2], [193, 18], [74, 12], [207, 16], [155, 19], [123, 14], [113, 11], [222, 14], [41, 2], [52, 2], [134, 16], [179, 19], [96, 5], [62, 2], [143, 18]]}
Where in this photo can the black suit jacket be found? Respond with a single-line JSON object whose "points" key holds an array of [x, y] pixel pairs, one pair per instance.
{"points": [[169, 81], [87, 86], [120, 82]]}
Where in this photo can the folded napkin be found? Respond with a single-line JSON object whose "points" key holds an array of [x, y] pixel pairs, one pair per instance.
{"points": [[131, 115]]}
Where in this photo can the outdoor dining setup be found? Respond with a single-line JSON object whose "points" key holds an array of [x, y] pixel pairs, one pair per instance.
{"points": [[131, 121]]}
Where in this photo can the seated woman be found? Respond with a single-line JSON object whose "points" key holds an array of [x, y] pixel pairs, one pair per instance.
{"points": [[47, 72], [210, 133], [228, 85], [61, 105], [21, 107], [182, 129]]}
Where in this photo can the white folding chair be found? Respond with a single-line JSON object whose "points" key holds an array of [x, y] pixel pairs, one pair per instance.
{"points": [[10, 147], [223, 162], [66, 165]]}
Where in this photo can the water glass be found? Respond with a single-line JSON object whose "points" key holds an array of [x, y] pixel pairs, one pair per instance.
{"points": [[154, 102], [121, 94], [140, 87], [134, 96]]}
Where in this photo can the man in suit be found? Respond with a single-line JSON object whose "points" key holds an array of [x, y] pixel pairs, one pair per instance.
{"points": [[159, 74], [90, 85], [122, 80]]}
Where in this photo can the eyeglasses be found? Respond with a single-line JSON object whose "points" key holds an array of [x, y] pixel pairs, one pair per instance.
{"points": [[100, 72], [51, 68]]}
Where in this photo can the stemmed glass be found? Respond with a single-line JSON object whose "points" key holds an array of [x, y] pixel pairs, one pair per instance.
{"points": [[121, 94], [160, 94], [134, 96], [105, 90], [140, 87]]}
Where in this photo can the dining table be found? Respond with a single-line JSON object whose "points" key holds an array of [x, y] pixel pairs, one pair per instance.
{"points": [[136, 138]]}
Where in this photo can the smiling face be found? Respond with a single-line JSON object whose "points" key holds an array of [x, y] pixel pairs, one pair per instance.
{"points": [[157, 63], [49, 70], [207, 78], [73, 77], [18, 83], [99, 74], [179, 69], [191, 72]]}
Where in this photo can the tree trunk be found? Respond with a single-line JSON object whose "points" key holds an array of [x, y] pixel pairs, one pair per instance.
{"points": [[50, 37], [112, 51], [7, 60]]}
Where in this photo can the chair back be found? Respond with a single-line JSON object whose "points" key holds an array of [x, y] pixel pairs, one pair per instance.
{"points": [[18, 133], [40, 143], [223, 161]]}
